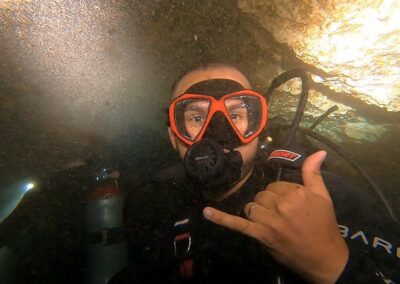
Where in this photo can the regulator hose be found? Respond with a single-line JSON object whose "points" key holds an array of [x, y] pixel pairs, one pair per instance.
{"points": [[305, 86]]}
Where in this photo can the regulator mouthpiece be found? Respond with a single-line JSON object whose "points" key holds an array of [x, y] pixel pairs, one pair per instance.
{"points": [[208, 165]]}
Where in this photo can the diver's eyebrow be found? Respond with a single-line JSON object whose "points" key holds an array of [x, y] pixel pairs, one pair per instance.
{"points": [[235, 104], [203, 106]]}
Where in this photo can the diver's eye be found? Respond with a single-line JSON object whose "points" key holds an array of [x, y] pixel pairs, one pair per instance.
{"points": [[235, 116], [238, 115], [197, 118]]}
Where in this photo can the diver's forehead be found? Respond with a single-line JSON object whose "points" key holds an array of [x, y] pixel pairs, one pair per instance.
{"points": [[198, 104], [220, 72], [232, 102]]}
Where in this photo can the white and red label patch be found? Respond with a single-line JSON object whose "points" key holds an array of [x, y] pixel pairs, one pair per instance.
{"points": [[285, 155]]}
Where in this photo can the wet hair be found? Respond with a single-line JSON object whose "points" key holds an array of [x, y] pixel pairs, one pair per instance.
{"points": [[201, 66]]}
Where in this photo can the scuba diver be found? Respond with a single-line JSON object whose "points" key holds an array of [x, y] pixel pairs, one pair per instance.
{"points": [[222, 216], [232, 206]]}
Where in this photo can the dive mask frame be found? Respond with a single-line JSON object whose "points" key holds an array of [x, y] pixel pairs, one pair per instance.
{"points": [[218, 105]]}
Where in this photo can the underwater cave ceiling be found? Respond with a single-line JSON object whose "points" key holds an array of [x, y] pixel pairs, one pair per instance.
{"points": [[351, 48], [82, 52]]}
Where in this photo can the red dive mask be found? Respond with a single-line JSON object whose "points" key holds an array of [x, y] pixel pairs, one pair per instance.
{"points": [[190, 114]]}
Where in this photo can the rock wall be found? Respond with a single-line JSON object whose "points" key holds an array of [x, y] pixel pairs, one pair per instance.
{"points": [[352, 74]]}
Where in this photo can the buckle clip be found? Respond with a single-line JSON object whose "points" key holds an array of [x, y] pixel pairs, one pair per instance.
{"points": [[183, 237]]}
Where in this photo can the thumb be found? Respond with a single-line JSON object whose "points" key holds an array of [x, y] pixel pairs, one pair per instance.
{"points": [[311, 173]]}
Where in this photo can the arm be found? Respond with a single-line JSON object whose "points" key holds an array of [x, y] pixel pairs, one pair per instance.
{"points": [[370, 233]]}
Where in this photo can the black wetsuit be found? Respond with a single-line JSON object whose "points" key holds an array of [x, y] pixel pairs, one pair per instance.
{"points": [[224, 256]]}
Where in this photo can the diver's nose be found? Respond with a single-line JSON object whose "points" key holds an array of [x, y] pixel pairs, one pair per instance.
{"points": [[221, 131]]}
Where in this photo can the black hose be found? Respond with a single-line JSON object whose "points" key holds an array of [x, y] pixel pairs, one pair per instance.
{"points": [[346, 156], [305, 86], [323, 116], [300, 73]]}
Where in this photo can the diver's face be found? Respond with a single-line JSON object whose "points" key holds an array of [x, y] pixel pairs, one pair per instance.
{"points": [[196, 112], [195, 115]]}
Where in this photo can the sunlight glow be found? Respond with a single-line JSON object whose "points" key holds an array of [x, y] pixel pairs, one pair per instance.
{"points": [[359, 44]]}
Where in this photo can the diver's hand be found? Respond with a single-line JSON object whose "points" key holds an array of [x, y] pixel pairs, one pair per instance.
{"points": [[296, 223]]}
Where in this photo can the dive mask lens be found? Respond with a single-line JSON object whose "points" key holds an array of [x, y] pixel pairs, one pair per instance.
{"points": [[244, 114], [190, 116]]}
